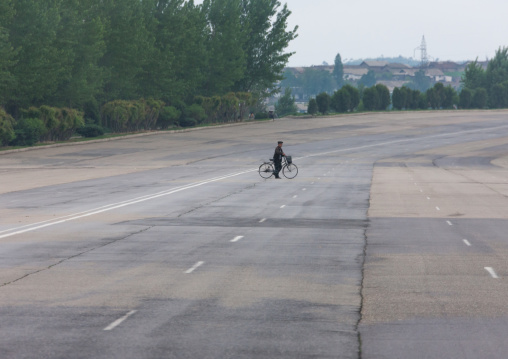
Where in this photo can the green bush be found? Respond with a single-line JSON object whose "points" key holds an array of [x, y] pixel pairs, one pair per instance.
{"points": [[59, 123], [196, 112], [90, 130], [167, 117], [28, 132], [312, 109], [188, 122]]}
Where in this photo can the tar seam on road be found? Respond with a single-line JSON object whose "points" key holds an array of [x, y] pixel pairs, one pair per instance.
{"points": [[194, 267], [119, 321]]}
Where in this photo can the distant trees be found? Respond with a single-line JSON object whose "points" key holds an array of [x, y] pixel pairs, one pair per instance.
{"points": [[487, 87], [376, 98], [323, 102], [286, 104], [313, 107], [368, 80], [346, 99], [405, 98]]}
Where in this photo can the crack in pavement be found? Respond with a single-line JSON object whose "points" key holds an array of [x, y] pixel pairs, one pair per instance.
{"points": [[74, 256]]}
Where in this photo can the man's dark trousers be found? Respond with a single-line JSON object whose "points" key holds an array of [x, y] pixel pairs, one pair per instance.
{"points": [[278, 167]]}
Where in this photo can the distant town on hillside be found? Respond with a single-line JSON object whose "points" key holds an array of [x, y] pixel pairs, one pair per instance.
{"points": [[307, 82]]}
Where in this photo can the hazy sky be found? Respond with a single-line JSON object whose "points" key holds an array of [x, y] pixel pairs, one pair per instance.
{"points": [[454, 29]]}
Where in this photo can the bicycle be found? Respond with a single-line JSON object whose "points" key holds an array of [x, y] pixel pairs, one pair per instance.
{"points": [[289, 169]]}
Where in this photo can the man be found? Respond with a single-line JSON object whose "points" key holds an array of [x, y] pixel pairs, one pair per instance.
{"points": [[277, 159]]}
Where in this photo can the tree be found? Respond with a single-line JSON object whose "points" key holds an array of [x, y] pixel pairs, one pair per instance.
{"points": [[39, 66], [7, 52], [368, 80], [480, 98], [466, 97], [80, 37], [264, 29], [341, 100], [225, 41], [286, 104], [474, 76], [420, 82], [323, 102], [384, 96], [128, 48], [313, 107], [398, 98], [338, 71], [316, 81], [354, 96], [179, 65], [499, 95], [496, 74], [371, 99]]}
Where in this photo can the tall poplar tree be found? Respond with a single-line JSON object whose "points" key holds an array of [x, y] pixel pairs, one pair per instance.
{"points": [[39, 63], [226, 56], [338, 71], [266, 37], [6, 50]]}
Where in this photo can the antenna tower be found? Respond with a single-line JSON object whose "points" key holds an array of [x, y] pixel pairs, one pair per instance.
{"points": [[424, 60]]}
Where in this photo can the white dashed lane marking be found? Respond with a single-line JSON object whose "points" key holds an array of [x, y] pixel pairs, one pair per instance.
{"points": [[119, 321], [236, 239], [196, 266], [467, 242], [491, 272]]}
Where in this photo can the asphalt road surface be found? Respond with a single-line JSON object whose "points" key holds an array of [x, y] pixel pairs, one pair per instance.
{"points": [[390, 243]]}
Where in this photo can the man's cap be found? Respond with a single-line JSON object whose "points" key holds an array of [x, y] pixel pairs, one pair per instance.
{"points": [[280, 142]]}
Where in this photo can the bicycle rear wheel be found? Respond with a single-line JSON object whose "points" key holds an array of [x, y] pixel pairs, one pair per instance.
{"points": [[266, 170], [290, 171]]}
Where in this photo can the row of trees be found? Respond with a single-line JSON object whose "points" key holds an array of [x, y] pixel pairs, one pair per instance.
{"points": [[377, 98], [85, 53], [490, 85]]}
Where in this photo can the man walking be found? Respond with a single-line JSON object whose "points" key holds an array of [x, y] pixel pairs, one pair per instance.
{"points": [[277, 159]]}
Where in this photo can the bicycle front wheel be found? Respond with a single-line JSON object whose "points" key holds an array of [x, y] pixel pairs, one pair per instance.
{"points": [[266, 170], [290, 171]]}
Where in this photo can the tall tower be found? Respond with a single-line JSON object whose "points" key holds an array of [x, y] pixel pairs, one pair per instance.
{"points": [[424, 60]]}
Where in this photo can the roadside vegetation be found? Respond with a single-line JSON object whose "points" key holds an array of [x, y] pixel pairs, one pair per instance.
{"points": [[481, 89], [93, 66]]}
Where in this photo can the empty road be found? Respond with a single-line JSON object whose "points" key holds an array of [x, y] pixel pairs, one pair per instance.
{"points": [[390, 243]]}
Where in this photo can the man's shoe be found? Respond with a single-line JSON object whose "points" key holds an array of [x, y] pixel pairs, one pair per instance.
{"points": [[277, 177]]}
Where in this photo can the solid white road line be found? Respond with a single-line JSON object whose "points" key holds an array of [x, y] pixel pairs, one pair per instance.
{"points": [[236, 239], [196, 266], [491, 272], [467, 242], [91, 212], [117, 322]]}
